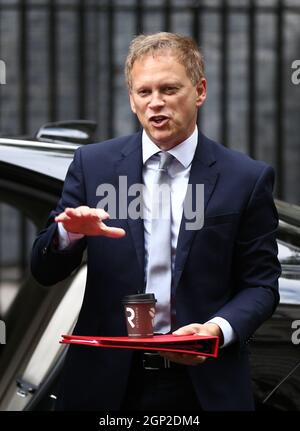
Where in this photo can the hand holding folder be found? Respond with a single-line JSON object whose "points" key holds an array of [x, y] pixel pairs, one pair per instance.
{"points": [[188, 344]]}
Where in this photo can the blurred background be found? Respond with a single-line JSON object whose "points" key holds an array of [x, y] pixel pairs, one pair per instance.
{"points": [[64, 60]]}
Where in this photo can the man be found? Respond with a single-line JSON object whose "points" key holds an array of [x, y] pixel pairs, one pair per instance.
{"points": [[216, 279]]}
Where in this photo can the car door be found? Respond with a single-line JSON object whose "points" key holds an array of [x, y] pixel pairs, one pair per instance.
{"points": [[32, 317]]}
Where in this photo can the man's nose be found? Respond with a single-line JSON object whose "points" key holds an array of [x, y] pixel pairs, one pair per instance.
{"points": [[156, 101]]}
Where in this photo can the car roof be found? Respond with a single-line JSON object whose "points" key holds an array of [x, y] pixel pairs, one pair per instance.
{"points": [[50, 159]]}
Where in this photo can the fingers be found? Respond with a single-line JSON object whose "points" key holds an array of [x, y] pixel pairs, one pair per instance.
{"points": [[112, 232], [82, 212], [88, 221], [208, 328], [62, 217], [193, 328]]}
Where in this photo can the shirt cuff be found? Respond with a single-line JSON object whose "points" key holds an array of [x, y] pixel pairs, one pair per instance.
{"points": [[65, 238], [229, 336]]}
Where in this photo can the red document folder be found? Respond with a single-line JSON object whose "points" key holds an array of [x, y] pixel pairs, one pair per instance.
{"points": [[189, 344]]}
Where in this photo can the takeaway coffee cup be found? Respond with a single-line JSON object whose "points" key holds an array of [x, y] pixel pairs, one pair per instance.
{"points": [[139, 312]]}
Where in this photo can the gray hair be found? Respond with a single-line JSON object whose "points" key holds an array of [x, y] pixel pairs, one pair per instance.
{"points": [[185, 50]]}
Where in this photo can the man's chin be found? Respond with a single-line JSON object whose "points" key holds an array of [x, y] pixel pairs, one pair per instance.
{"points": [[163, 139]]}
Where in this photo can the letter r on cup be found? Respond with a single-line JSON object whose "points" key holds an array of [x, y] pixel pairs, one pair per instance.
{"points": [[130, 316]]}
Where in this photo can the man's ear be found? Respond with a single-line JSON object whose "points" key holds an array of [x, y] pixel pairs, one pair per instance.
{"points": [[201, 92], [132, 103]]}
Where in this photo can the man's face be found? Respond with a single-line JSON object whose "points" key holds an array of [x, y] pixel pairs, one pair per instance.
{"points": [[164, 98]]}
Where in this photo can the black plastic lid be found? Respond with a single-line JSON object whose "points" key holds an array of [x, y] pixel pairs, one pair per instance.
{"points": [[139, 297]]}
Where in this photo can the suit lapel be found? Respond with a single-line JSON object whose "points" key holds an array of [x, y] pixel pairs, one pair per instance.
{"points": [[203, 171], [130, 167]]}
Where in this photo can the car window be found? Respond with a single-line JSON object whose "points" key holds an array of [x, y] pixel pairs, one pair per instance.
{"points": [[17, 232]]}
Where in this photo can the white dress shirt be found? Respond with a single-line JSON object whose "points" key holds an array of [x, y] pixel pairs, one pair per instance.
{"points": [[179, 171]]}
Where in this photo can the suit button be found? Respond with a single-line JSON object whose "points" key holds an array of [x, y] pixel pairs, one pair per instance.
{"points": [[44, 250]]}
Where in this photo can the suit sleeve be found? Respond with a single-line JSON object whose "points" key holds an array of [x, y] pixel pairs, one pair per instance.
{"points": [[48, 264], [257, 268]]}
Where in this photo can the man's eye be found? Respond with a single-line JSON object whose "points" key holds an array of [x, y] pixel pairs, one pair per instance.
{"points": [[143, 93], [170, 90]]}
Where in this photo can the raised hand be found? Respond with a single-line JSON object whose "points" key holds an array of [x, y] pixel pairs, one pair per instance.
{"points": [[88, 221]]}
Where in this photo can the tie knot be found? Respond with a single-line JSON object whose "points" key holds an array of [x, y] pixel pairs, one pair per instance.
{"points": [[165, 160]]}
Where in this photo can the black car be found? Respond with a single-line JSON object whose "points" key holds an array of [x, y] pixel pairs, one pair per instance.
{"points": [[275, 348], [33, 317]]}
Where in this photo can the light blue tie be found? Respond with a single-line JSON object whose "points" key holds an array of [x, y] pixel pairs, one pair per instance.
{"points": [[159, 273]]}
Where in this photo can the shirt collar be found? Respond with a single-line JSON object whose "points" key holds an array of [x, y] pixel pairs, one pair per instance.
{"points": [[183, 152]]}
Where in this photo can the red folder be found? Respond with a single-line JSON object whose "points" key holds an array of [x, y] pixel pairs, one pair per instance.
{"points": [[188, 344]]}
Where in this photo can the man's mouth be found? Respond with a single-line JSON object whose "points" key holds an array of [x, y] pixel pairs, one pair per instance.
{"points": [[158, 120]]}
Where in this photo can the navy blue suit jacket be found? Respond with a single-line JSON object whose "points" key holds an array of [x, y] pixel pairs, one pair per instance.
{"points": [[229, 268]]}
